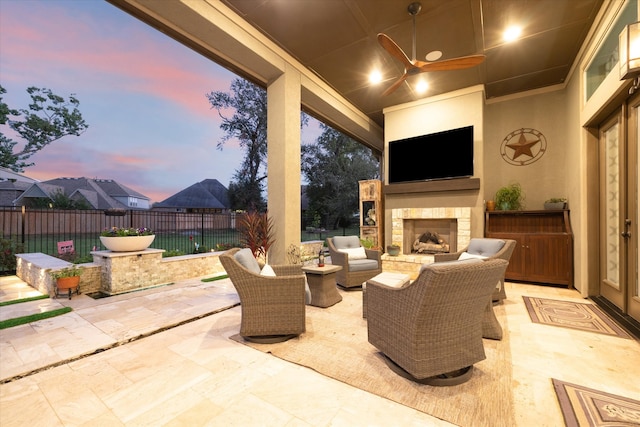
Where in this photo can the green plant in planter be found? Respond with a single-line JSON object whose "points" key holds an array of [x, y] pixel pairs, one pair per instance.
{"points": [[67, 279], [556, 200], [72, 271], [367, 243], [510, 197]]}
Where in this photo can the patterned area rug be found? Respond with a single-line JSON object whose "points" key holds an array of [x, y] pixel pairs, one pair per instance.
{"points": [[571, 314], [584, 407]]}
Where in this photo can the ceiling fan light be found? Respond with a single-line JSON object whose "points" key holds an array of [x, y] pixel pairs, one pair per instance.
{"points": [[511, 33], [375, 77], [421, 86]]}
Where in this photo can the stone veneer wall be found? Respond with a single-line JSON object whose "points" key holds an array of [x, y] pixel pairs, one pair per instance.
{"points": [[34, 269], [127, 271], [113, 272]]}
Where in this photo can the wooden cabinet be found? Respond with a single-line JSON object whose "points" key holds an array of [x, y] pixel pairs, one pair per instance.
{"points": [[371, 211], [544, 249]]}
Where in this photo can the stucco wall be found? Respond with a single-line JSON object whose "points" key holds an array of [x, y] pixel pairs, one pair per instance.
{"points": [[545, 177]]}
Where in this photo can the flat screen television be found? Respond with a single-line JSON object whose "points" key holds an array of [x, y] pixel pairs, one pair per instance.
{"points": [[440, 155]]}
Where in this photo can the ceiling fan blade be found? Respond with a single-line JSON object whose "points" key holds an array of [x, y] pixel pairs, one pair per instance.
{"points": [[395, 85], [451, 64], [394, 50]]}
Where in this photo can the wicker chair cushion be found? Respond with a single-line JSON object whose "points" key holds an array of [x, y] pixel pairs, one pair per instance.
{"points": [[444, 263], [393, 280], [363, 264], [355, 253], [346, 242], [485, 247], [467, 255], [267, 270], [247, 260]]}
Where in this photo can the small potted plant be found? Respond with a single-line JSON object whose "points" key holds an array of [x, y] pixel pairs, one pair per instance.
{"points": [[555, 203], [510, 197], [67, 279]]}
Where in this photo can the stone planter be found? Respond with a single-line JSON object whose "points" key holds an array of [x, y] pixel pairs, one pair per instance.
{"points": [[555, 205], [127, 243]]}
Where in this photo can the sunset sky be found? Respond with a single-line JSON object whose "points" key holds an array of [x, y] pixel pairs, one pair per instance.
{"points": [[142, 94]]}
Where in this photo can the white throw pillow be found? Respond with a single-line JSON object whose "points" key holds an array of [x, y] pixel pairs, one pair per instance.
{"points": [[355, 253], [467, 255], [267, 270]]}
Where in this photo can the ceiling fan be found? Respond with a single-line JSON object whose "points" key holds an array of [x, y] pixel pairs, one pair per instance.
{"points": [[413, 66]]}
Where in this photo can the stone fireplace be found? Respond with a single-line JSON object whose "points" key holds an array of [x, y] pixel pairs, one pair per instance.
{"points": [[453, 224]]}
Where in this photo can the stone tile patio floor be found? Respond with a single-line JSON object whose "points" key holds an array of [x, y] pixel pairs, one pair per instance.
{"points": [[88, 368], [98, 324]]}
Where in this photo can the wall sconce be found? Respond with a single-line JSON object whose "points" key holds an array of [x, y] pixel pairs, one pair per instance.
{"points": [[629, 50]]}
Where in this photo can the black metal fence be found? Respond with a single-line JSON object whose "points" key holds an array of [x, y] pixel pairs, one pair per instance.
{"points": [[25, 230], [40, 230]]}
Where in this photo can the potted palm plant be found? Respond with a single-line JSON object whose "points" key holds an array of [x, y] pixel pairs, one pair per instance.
{"points": [[67, 279]]}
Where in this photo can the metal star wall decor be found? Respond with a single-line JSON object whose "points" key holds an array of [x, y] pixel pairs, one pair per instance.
{"points": [[523, 146]]}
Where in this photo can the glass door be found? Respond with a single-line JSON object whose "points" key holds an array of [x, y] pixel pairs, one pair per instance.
{"points": [[619, 184]]}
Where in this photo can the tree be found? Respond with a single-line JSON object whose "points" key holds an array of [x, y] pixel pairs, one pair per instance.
{"points": [[332, 167], [48, 119], [248, 125]]}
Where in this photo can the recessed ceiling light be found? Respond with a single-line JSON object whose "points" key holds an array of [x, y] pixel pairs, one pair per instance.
{"points": [[434, 55], [375, 77], [512, 33]]}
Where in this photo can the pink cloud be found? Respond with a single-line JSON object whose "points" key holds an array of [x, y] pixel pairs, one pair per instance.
{"points": [[127, 59]]}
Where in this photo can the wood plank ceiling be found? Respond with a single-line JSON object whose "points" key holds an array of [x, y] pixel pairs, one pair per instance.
{"points": [[337, 40]]}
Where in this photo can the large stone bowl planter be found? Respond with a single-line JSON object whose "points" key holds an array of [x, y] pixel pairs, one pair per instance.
{"points": [[127, 243]]}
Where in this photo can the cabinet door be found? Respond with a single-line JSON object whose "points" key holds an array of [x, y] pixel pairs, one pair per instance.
{"points": [[549, 258], [516, 270]]}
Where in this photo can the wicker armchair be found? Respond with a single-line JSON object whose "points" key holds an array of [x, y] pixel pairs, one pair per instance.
{"points": [[354, 272], [489, 249], [431, 329], [273, 307]]}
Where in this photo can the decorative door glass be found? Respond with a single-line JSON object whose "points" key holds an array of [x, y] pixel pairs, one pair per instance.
{"points": [[612, 205]]}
